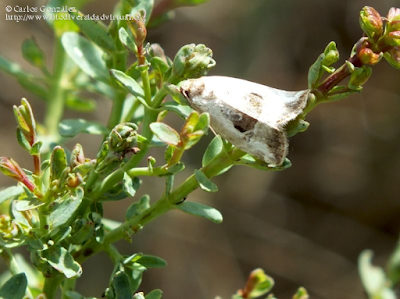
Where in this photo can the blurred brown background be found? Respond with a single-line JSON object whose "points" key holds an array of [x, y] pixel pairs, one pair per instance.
{"points": [[304, 226]]}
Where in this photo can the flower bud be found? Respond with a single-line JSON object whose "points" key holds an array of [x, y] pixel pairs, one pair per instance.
{"points": [[359, 77], [26, 131], [393, 38], [192, 61], [122, 137], [58, 162], [369, 57], [393, 57], [366, 54], [77, 156], [371, 23], [11, 168], [137, 25], [393, 14]]}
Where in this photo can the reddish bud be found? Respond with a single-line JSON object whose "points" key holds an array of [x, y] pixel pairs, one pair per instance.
{"points": [[394, 13], [393, 38], [371, 22], [369, 57], [137, 25], [11, 168]]}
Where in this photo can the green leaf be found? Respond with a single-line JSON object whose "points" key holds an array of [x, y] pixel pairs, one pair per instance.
{"points": [[11, 68], [301, 294], [138, 296], [390, 58], [72, 127], [160, 65], [151, 261], [15, 287], [60, 21], [86, 55], [96, 31], [258, 284], [215, 147], [32, 53], [135, 276], [128, 83], [80, 104], [23, 142], [61, 260], [121, 286], [35, 149], [127, 40], [64, 208], [165, 133], [12, 192], [169, 184], [58, 162], [76, 295], [201, 210], [176, 168], [138, 207], [154, 294], [204, 182], [393, 267], [314, 72], [146, 5], [28, 204], [373, 278], [181, 110], [203, 122], [131, 185]]}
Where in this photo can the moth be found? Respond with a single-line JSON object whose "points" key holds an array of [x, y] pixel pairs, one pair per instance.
{"points": [[251, 116]]}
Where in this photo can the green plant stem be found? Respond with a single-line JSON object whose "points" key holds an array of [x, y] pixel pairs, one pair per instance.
{"points": [[114, 254], [13, 266], [67, 285], [51, 285], [117, 107], [336, 77], [56, 98], [163, 205], [145, 171]]}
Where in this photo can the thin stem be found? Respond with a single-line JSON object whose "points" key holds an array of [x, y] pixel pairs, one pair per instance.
{"points": [[55, 107], [117, 107], [67, 285], [336, 77], [51, 285], [36, 163], [113, 253], [13, 266], [145, 171]]}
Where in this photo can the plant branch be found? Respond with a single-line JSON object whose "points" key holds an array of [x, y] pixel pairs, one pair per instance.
{"points": [[163, 205]]}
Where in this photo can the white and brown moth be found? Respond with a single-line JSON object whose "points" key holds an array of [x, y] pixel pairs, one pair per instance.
{"points": [[249, 115]]}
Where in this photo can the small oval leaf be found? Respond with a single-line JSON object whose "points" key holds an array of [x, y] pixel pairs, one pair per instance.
{"points": [[86, 55], [94, 30], [72, 127], [165, 133], [128, 83], [204, 182], [201, 210], [15, 287]]}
